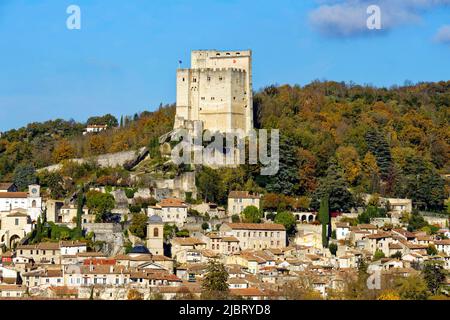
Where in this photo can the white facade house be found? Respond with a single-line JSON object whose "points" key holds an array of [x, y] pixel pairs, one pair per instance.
{"points": [[94, 129], [171, 211], [342, 231], [71, 248], [31, 201], [443, 246], [239, 200]]}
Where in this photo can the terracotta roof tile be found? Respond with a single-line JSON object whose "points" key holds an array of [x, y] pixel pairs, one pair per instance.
{"points": [[256, 226]]}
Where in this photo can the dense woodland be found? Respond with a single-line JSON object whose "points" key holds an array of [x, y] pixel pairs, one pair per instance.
{"points": [[338, 139]]}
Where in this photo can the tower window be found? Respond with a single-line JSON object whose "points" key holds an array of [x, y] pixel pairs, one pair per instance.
{"points": [[209, 78]]}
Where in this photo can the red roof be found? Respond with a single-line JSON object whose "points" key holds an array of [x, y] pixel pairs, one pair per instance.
{"points": [[100, 262], [9, 195], [173, 202]]}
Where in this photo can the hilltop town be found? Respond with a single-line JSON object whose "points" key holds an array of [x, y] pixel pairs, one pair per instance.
{"points": [[356, 211]]}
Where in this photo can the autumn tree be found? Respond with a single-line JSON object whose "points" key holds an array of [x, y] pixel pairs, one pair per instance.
{"points": [[348, 160], [63, 151]]}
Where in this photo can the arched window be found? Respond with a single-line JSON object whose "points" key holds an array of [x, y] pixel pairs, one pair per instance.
{"points": [[33, 204], [155, 232]]}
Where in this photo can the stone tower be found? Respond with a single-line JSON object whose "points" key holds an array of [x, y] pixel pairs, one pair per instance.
{"points": [[155, 235], [216, 90]]}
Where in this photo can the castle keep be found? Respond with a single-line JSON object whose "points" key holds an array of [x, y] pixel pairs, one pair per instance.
{"points": [[216, 90]]}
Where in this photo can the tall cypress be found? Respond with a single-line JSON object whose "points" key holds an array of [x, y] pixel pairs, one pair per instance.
{"points": [[324, 218], [80, 205]]}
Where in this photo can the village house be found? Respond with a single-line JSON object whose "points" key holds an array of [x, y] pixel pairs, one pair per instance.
{"points": [[72, 248], [8, 275], [31, 201], [239, 200], [147, 279], [252, 261], [223, 245], [443, 246], [172, 211], [68, 214], [256, 236], [42, 253], [309, 239], [423, 239], [372, 229], [44, 277], [404, 234], [8, 187], [342, 230], [212, 209], [14, 226], [181, 245], [99, 275], [378, 241], [94, 128], [12, 291]]}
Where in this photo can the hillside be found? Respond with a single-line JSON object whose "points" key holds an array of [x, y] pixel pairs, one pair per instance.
{"points": [[389, 141]]}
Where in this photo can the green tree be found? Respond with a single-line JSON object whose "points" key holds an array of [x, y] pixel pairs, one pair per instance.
{"points": [[412, 288], [24, 175], [379, 254], [210, 186], [286, 181], [416, 221], [80, 204], [324, 218], [55, 183], [138, 226], [100, 203], [434, 276], [215, 282], [235, 218], [205, 226], [287, 219], [431, 250], [333, 248], [336, 188], [379, 147], [107, 119], [252, 214]]}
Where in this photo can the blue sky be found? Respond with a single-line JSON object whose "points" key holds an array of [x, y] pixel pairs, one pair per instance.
{"points": [[124, 58]]}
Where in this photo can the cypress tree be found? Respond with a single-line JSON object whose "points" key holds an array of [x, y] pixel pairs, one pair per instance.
{"points": [[80, 205], [324, 218]]}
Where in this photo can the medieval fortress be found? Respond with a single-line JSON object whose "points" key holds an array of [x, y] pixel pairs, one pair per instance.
{"points": [[216, 90]]}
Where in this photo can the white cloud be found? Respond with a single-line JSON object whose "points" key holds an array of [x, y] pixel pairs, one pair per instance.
{"points": [[443, 35], [347, 18]]}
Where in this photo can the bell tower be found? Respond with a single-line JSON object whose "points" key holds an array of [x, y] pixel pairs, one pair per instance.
{"points": [[34, 191], [155, 235]]}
